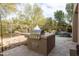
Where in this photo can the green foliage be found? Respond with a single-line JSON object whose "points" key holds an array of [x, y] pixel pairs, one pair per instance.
{"points": [[37, 14], [50, 25], [6, 8], [33, 15], [69, 9], [59, 16], [4, 27]]}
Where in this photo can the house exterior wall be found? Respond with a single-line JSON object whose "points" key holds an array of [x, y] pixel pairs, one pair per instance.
{"points": [[75, 27], [75, 24], [78, 23]]}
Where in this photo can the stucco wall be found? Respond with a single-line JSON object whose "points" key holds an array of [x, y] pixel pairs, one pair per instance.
{"points": [[75, 27], [78, 23]]}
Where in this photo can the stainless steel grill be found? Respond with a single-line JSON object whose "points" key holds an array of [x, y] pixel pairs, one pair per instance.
{"points": [[36, 33]]}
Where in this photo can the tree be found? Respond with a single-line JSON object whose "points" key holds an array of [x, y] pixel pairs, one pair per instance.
{"points": [[41, 22], [34, 13], [69, 9], [37, 14], [31, 16], [54, 24], [5, 9], [48, 26], [59, 16]]}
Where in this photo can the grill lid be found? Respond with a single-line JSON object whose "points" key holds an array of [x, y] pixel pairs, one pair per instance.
{"points": [[37, 29]]}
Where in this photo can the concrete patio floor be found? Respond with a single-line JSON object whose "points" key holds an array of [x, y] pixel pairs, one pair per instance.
{"points": [[62, 46]]}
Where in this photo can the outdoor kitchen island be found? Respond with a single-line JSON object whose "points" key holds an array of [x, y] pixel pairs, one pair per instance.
{"points": [[42, 44]]}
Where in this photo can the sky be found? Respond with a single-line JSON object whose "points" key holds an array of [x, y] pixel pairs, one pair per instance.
{"points": [[48, 9]]}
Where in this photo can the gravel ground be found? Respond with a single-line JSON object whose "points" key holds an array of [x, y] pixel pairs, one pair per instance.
{"points": [[13, 42]]}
